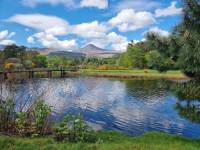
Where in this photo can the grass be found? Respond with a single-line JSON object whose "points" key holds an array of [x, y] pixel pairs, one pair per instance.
{"points": [[134, 73], [108, 141], [144, 74]]}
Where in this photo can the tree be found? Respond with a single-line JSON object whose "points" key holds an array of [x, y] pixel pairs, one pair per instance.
{"points": [[189, 33], [40, 61], [133, 58], [136, 57], [156, 42], [14, 51], [156, 61]]}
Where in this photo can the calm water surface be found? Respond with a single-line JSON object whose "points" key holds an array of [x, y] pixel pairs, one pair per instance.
{"points": [[129, 106]]}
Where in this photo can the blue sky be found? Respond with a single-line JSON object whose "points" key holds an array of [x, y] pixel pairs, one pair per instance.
{"points": [[70, 24]]}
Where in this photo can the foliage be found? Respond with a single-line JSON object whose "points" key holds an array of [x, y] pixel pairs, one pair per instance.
{"points": [[158, 62], [159, 43], [40, 61], [7, 115], [14, 51], [33, 122], [107, 67], [74, 129], [9, 66], [133, 58], [189, 34], [188, 104], [41, 114], [28, 64]]}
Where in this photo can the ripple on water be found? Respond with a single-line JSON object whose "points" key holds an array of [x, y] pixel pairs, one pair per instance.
{"points": [[129, 106]]}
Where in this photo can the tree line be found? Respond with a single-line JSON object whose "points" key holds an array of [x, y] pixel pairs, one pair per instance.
{"points": [[179, 51]]}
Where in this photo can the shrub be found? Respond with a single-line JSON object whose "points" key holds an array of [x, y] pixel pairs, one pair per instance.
{"points": [[74, 129], [33, 122], [7, 116], [41, 114], [156, 61], [107, 67]]}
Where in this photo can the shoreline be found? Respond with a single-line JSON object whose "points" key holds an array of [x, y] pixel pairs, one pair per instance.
{"points": [[121, 74], [130, 74], [107, 141]]}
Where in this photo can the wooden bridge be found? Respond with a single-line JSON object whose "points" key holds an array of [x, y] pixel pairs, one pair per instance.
{"points": [[4, 74]]}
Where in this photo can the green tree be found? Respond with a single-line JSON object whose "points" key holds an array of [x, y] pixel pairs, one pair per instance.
{"points": [[40, 61], [156, 61], [189, 33], [134, 57], [156, 42], [14, 51]]}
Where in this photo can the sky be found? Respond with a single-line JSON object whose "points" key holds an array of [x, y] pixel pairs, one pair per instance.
{"points": [[71, 24]]}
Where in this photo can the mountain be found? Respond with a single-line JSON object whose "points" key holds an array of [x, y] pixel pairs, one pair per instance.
{"points": [[43, 51], [91, 50], [2, 47], [67, 54]]}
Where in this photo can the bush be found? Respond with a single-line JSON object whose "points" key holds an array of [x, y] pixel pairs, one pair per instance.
{"points": [[41, 114], [106, 67], [7, 116], [74, 129], [33, 122], [158, 62]]}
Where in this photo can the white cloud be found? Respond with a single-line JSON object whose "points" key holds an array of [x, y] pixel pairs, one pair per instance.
{"points": [[90, 30], [169, 11], [5, 37], [101, 4], [30, 40], [3, 34], [38, 21], [158, 31], [7, 42], [118, 42], [50, 41], [138, 5], [50, 27], [129, 20], [33, 3], [58, 30]]}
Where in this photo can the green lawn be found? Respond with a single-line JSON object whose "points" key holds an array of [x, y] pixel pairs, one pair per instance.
{"points": [[134, 73], [108, 141]]}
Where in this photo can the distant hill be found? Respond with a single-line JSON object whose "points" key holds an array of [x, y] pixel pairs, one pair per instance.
{"points": [[2, 47], [91, 50], [43, 51], [67, 54]]}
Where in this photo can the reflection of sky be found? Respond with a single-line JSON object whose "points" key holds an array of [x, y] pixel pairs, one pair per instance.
{"points": [[133, 107]]}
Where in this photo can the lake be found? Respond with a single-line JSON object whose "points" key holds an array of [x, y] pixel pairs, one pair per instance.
{"points": [[128, 106]]}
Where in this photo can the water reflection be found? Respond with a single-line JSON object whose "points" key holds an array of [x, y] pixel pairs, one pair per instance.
{"points": [[188, 104], [129, 106]]}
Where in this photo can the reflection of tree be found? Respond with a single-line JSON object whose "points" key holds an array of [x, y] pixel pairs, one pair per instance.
{"points": [[146, 90], [188, 104]]}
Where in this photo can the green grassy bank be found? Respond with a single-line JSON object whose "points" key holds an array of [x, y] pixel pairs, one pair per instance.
{"points": [[134, 74], [108, 141], [129, 74]]}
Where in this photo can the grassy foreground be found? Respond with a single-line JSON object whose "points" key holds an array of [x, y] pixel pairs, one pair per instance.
{"points": [[109, 141], [134, 74]]}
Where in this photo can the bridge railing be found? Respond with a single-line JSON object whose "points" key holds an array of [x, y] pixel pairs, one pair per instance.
{"points": [[39, 69]]}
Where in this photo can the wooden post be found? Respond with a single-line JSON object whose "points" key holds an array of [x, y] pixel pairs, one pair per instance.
{"points": [[49, 73], [5, 75], [31, 74], [61, 73]]}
